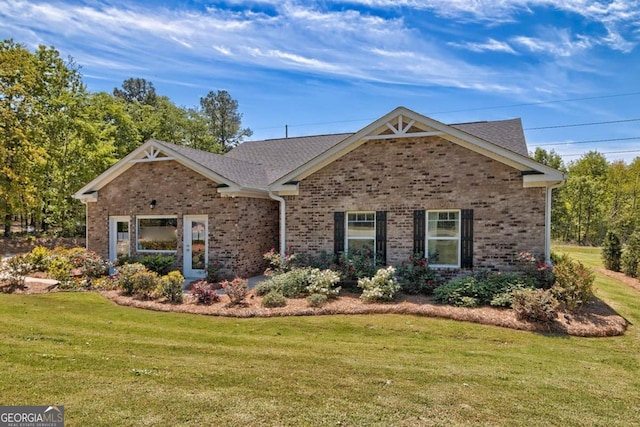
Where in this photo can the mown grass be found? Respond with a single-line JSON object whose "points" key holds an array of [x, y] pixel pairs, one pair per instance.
{"points": [[112, 365]]}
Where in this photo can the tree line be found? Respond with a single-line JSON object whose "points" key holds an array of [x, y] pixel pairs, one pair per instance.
{"points": [[55, 135], [599, 197]]}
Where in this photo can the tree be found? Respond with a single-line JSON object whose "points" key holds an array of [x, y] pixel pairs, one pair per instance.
{"points": [[221, 112], [137, 90], [611, 251]]}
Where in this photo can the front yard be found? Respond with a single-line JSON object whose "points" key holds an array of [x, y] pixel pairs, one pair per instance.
{"points": [[114, 365]]}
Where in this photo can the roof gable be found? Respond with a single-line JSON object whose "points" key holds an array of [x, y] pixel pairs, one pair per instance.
{"points": [[404, 123]]}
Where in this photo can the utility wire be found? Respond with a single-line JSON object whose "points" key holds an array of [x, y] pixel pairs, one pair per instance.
{"points": [[584, 124], [602, 152], [587, 142]]}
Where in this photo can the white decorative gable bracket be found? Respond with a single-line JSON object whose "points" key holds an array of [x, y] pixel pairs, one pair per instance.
{"points": [[152, 154], [402, 130]]}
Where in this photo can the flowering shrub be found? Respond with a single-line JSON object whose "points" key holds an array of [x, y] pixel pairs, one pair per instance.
{"points": [[123, 278], [204, 292], [574, 283], [145, 283], [415, 276], [15, 268], [323, 282], [291, 284], [381, 287], [236, 290], [357, 265], [480, 289], [60, 268], [534, 305], [91, 265], [536, 270], [278, 264], [171, 286], [39, 258], [274, 299]]}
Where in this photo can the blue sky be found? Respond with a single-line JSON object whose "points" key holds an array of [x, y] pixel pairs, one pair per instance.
{"points": [[330, 66]]}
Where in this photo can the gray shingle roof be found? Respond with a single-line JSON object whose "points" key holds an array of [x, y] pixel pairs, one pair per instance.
{"points": [[281, 156], [256, 164], [504, 133]]}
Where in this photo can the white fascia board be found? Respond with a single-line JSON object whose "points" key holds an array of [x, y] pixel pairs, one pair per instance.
{"points": [[541, 180], [236, 191], [286, 189]]}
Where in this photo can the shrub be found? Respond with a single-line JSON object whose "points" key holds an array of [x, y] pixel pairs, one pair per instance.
{"points": [[213, 271], [123, 278], [381, 287], [60, 268], [631, 255], [171, 286], [204, 292], [236, 290], [317, 300], [534, 305], [415, 276], [480, 289], [15, 269], [357, 265], [323, 282], [39, 258], [91, 265], [291, 284], [535, 269], [160, 264], [611, 251], [278, 264], [274, 299], [574, 283], [145, 283]]}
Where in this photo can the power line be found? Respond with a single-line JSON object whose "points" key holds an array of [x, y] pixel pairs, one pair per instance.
{"points": [[584, 124], [587, 142], [602, 152], [495, 107]]}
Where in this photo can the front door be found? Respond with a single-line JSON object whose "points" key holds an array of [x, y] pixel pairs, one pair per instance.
{"points": [[119, 237], [196, 251]]}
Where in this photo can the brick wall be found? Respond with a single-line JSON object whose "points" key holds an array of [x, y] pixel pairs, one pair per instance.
{"points": [[400, 176], [240, 229]]}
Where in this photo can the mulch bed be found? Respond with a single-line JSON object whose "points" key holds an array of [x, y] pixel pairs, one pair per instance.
{"points": [[597, 319]]}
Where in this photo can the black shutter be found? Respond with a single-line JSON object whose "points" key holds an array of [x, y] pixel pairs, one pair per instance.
{"points": [[381, 237], [419, 232], [338, 232], [466, 238]]}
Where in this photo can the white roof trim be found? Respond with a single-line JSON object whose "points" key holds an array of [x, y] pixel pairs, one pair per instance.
{"points": [[428, 127], [150, 151]]}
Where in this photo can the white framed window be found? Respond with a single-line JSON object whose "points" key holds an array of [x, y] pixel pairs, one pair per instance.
{"points": [[157, 233], [361, 232], [443, 238]]}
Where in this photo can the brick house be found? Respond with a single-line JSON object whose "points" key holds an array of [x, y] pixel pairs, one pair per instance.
{"points": [[465, 195]]}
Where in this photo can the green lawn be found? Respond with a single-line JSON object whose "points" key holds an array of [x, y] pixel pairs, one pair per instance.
{"points": [[119, 366]]}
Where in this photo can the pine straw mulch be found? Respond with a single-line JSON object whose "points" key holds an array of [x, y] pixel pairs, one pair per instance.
{"points": [[597, 319]]}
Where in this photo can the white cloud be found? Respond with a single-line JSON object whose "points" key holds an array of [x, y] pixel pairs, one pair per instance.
{"points": [[491, 45]]}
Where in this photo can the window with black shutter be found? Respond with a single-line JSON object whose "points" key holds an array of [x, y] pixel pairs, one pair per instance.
{"points": [[338, 232], [466, 238], [381, 237], [419, 233]]}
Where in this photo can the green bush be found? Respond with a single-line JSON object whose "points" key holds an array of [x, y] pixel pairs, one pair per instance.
{"points": [[160, 264], [535, 269], [145, 283], [39, 258], [171, 286], [278, 264], [236, 290], [213, 271], [91, 265], [631, 255], [415, 276], [383, 286], [274, 299], [480, 289], [574, 283], [611, 251], [357, 265], [123, 278], [292, 283], [205, 292], [534, 305], [60, 268], [317, 300]]}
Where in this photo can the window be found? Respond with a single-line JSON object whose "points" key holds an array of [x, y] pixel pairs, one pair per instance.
{"points": [[443, 238], [157, 234], [361, 232], [119, 237]]}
